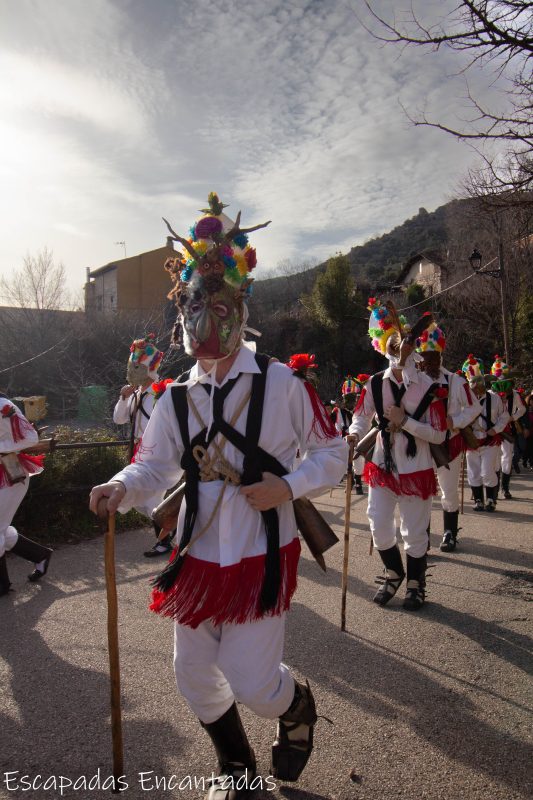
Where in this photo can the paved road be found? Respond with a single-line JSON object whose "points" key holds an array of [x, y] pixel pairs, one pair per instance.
{"points": [[436, 704]]}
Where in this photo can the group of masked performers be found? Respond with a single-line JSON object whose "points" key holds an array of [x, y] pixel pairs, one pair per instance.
{"points": [[230, 580]]}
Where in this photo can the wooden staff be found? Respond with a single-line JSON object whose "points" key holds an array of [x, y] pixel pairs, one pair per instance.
{"points": [[347, 509], [112, 643], [463, 459]]}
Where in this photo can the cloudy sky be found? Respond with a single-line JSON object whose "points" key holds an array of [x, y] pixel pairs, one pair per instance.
{"points": [[114, 113]]}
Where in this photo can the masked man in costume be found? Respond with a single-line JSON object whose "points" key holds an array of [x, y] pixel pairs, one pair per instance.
{"points": [[482, 463], [462, 408], [230, 583], [351, 390], [401, 471], [16, 434], [504, 385], [135, 406]]}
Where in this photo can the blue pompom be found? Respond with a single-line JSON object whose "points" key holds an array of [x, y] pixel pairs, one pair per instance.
{"points": [[241, 240]]}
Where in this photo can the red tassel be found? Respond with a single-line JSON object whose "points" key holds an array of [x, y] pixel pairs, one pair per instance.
{"points": [[206, 591], [360, 402], [468, 394], [456, 445], [323, 426], [18, 426], [418, 484], [437, 415], [31, 464]]}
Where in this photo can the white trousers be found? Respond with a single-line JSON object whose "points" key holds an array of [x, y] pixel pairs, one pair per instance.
{"points": [[215, 666], [415, 514], [10, 499], [358, 465], [449, 484], [507, 456], [482, 465]]}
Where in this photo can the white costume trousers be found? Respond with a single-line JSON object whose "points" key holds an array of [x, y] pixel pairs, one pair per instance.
{"points": [[415, 514], [482, 465], [215, 666], [449, 484], [10, 499], [358, 465], [507, 456]]}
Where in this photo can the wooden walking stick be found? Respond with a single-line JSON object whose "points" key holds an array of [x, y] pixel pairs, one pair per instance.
{"points": [[347, 509], [463, 459], [112, 643]]}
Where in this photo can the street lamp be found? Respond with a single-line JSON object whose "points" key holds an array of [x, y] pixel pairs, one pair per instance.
{"points": [[475, 260]]}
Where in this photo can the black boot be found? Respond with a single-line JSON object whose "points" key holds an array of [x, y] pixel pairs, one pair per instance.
{"points": [[477, 492], [394, 575], [416, 583], [451, 523], [294, 740], [31, 551], [162, 546], [5, 583], [236, 759], [505, 486], [358, 485], [492, 498]]}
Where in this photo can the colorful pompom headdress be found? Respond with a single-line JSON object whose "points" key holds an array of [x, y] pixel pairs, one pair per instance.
{"points": [[144, 360], [384, 322], [502, 380], [216, 246], [474, 369], [431, 340], [354, 385]]}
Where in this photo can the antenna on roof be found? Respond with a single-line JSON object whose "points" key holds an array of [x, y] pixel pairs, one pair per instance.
{"points": [[124, 246]]}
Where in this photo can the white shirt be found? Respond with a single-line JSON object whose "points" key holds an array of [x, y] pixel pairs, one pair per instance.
{"points": [[499, 416], [460, 409], [141, 400], [423, 430], [29, 434], [237, 530], [518, 408]]}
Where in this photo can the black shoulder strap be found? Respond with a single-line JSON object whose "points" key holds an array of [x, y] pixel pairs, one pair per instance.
{"points": [[376, 384]]}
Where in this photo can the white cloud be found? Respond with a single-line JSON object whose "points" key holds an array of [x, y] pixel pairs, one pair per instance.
{"points": [[113, 115]]}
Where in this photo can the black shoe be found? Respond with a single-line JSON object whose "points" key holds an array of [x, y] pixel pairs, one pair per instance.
{"points": [[161, 548], [415, 595], [290, 753], [391, 584], [479, 506], [236, 759], [40, 569], [5, 583], [490, 505], [449, 542], [507, 495], [394, 575], [358, 489]]}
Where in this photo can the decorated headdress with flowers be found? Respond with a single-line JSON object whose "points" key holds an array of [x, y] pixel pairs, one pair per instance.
{"points": [[431, 340], [216, 246], [383, 322], [473, 368], [502, 380], [144, 352], [354, 385]]}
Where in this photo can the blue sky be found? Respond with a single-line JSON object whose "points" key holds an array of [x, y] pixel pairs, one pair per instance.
{"points": [[114, 113]]}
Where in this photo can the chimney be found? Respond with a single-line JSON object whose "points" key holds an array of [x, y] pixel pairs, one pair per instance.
{"points": [[170, 242]]}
